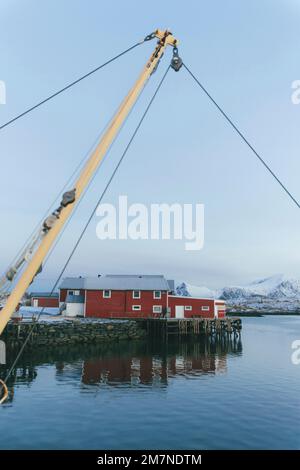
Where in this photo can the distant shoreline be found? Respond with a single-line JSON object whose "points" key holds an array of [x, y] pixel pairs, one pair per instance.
{"points": [[261, 314]]}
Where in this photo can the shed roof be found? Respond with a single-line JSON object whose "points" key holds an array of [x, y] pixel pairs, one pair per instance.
{"points": [[117, 282], [75, 299], [44, 294]]}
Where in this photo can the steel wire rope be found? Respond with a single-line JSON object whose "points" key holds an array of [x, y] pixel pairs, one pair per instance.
{"points": [[89, 220]]}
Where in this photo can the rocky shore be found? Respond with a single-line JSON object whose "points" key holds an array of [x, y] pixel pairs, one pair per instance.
{"points": [[71, 332]]}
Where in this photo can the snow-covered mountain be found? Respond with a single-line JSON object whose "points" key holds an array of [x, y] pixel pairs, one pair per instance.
{"points": [[187, 290], [276, 293]]}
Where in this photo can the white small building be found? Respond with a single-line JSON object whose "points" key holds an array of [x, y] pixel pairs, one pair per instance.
{"points": [[73, 306]]}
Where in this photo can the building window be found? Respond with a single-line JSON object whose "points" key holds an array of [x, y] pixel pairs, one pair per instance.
{"points": [[136, 294], [157, 308], [76, 292], [136, 307], [157, 294], [205, 308], [107, 294], [70, 292], [188, 307]]}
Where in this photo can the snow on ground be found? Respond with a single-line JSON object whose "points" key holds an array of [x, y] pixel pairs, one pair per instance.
{"points": [[51, 314], [28, 312], [46, 314]]}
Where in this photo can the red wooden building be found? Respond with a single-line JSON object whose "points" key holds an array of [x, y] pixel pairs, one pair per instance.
{"points": [[132, 296], [189, 307], [44, 299]]}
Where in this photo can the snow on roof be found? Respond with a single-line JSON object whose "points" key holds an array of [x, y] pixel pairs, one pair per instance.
{"points": [[44, 294], [117, 282]]}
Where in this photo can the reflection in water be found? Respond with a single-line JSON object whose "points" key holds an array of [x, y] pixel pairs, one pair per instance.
{"points": [[126, 364]]}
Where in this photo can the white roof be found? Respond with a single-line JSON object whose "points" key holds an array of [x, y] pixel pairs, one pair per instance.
{"points": [[117, 282]]}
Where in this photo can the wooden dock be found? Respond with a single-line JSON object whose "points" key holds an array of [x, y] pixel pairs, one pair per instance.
{"points": [[166, 327]]}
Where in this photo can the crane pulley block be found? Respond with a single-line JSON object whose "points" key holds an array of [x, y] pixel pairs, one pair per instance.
{"points": [[176, 62], [68, 198]]}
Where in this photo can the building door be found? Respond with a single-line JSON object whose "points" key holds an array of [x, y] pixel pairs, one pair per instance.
{"points": [[35, 302], [179, 311]]}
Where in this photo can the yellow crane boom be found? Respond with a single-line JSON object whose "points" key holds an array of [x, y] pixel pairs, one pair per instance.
{"points": [[55, 222]]}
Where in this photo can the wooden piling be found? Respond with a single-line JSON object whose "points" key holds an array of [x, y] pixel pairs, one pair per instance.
{"points": [[219, 327]]}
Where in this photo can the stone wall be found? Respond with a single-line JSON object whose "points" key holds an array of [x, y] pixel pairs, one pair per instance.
{"points": [[71, 332]]}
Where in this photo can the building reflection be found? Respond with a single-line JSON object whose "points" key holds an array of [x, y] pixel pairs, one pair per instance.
{"points": [[157, 365], [126, 364]]}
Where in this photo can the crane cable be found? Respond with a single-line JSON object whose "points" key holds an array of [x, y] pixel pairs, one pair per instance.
{"points": [[260, 158], [87, 188], [225, 115], [38, 226], [88, 74], [87, 224], [147, 38]]}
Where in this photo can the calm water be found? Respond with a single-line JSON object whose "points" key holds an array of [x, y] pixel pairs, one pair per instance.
{"points": [[244, 395]]}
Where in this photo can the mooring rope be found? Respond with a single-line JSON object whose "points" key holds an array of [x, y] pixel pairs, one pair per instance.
{"points": [[5, 392]]}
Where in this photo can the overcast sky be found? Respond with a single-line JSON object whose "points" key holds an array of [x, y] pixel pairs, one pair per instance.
{"points": [[245, 52]]}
